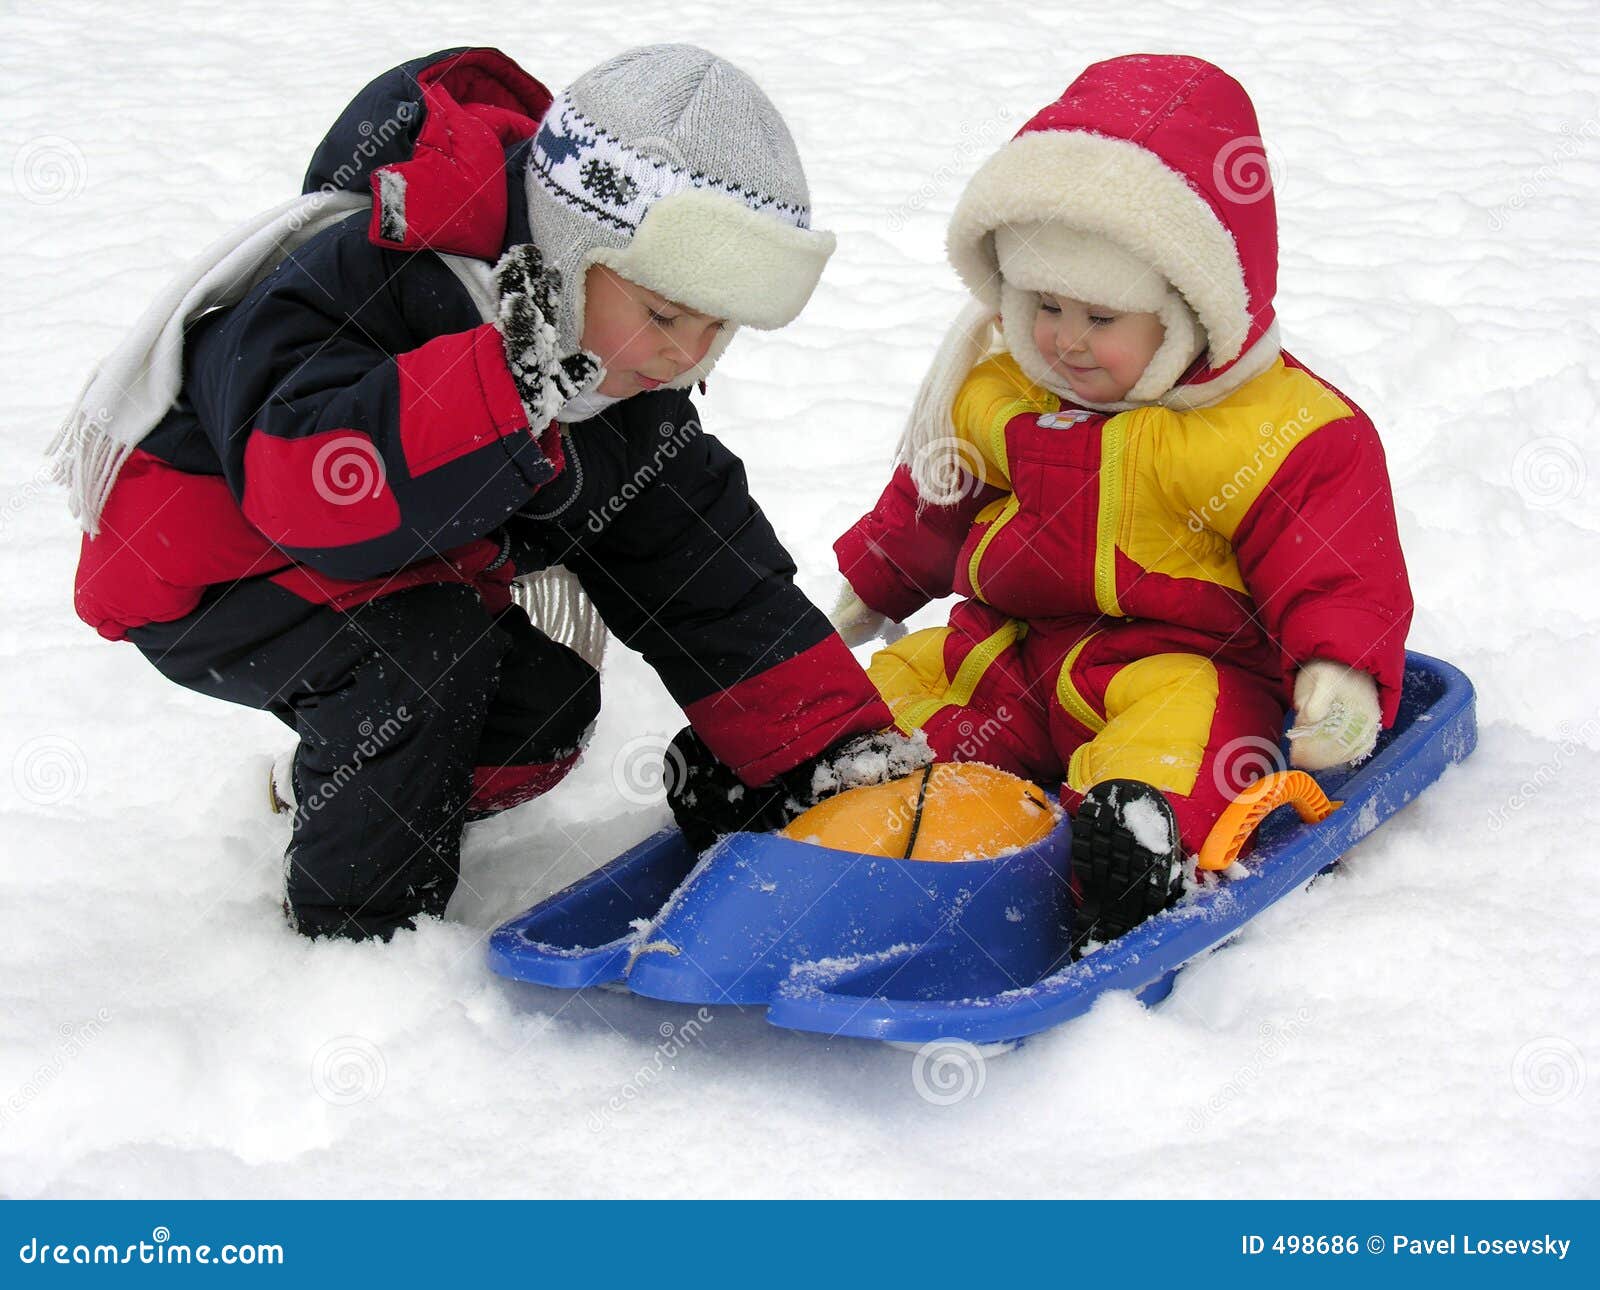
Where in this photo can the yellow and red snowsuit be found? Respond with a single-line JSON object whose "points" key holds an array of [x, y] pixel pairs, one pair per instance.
{"points": [[1139, 588]]}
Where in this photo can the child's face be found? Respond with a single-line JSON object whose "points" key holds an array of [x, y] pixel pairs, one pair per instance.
{"points": [[642, 340], [1100, 353]]}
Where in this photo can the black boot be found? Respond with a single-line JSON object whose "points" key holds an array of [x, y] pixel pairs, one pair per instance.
{"points": [[1121, 878]]}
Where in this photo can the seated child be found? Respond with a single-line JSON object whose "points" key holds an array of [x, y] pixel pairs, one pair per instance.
{"points": [[309, 477], [1164, 529]]}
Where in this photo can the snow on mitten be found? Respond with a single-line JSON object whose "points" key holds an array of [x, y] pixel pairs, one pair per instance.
{"points": [[857, 622], [873, 758], [1336, 716], [545, 380]]}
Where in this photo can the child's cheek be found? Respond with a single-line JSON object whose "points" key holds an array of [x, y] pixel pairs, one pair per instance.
{"points": [[1041, 336]]}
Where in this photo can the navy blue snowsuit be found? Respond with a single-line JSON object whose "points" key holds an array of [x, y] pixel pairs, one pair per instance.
{"points": [[326, 523]]}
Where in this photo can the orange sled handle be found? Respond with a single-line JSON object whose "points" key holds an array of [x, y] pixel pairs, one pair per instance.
{"points": [[1236, 824]]}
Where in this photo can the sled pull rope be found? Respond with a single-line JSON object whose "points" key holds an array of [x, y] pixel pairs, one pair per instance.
{"points": [[1238, 823]]}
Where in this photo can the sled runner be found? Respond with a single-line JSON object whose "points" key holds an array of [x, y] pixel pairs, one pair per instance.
{"points": [[909, 950]]}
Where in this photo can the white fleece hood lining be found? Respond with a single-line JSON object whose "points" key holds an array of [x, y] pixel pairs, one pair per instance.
{"points": [[1065, 261], [1119, 191]]}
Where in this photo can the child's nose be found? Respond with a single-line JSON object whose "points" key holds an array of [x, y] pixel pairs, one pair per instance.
{"points": [[684, 354]]}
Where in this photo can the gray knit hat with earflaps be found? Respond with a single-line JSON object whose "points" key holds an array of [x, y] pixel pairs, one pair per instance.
{"points": [[670, 166]]}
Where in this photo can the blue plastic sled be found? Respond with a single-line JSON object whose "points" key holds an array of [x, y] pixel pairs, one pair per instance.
{"points": [[908, 950]]}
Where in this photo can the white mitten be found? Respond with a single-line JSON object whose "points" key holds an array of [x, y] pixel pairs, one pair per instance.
{"points": [[857, 622], [1336, 716]]}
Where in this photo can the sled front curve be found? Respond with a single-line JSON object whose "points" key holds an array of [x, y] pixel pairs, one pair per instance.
{"points": [[582, 936]]}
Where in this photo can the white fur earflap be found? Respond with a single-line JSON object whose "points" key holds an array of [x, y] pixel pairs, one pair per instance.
{"points": [[714, 254]]}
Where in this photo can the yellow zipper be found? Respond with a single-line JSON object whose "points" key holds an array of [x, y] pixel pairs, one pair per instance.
{"points": [[1011, 507], [1113, 444], [979, 660], [1076, 705], [997, 434], [960, 691]]}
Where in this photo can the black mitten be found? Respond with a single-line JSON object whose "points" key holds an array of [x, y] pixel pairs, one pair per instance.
{"points": [[708, 800]]}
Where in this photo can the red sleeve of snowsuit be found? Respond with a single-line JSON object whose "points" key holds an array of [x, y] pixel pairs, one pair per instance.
{"points": [[898, 558], [1320, 553]]}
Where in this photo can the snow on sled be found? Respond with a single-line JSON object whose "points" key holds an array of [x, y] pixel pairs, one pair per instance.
{"points": [[909, 950]]}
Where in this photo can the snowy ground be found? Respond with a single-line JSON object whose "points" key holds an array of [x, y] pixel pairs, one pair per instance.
{"points": [[1422, 1022]]}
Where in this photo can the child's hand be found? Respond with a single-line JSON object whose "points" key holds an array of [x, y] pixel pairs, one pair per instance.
{"points": [[545, 380], [709, 801], [857, 623], [1336, 716]]}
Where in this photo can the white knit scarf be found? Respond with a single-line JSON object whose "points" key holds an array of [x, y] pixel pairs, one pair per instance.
{"points": [[135, 385]]}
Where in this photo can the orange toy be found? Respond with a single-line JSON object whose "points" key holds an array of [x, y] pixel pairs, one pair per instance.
{"points": [[952, 811]]}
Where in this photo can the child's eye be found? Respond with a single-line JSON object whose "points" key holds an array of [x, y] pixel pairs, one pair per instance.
{"points": [[663, 319], [1101, 320], [1049, 307]]}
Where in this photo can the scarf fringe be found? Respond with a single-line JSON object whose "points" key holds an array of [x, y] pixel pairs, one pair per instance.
{"points": [[941, 464], [133, 387]]}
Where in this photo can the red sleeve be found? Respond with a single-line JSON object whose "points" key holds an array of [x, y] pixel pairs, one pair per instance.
{"points": [[1320, 554], [773, 721], [898, 559]]}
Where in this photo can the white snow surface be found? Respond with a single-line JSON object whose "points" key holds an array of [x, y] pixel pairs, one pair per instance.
{"points": [[1423, 1021]]}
